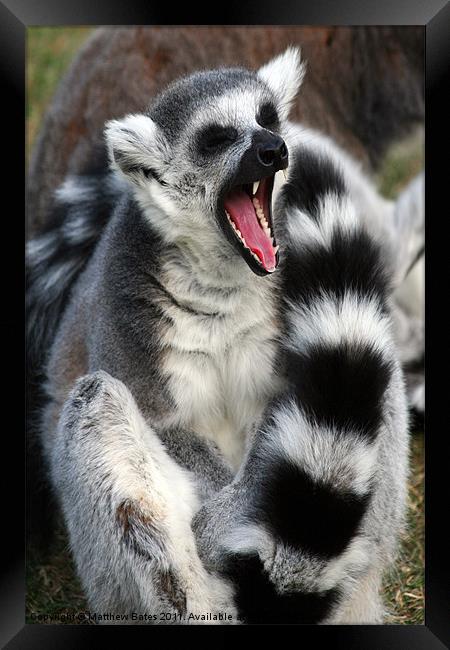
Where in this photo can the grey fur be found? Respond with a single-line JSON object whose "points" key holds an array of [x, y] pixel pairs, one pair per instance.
{"points": [[193, 93]]}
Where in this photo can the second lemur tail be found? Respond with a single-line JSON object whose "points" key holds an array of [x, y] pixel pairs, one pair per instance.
{"points": [[54, 259]]}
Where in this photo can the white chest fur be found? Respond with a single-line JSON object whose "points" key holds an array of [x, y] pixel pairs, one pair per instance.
{"points": [[219, 363]]}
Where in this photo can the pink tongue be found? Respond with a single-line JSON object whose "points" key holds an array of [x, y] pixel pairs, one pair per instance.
{"points": [[241, 210]]}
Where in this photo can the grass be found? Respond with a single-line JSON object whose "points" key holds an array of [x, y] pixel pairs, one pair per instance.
{"points": [[402, 162], [49, 53], [403, 587], [52, 586], [53, 589]]}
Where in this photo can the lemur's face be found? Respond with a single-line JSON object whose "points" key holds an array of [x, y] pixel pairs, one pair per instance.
{"points": [[207, 153]]}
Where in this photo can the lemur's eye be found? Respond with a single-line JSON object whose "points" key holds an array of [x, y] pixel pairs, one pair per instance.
{"points": [[268, 117], [215, 137]]}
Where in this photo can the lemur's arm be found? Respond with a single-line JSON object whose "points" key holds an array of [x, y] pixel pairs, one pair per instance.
{"points": [[291, 531]]}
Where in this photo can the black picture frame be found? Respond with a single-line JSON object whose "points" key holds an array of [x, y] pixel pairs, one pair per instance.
{"points": [[15, 17]]}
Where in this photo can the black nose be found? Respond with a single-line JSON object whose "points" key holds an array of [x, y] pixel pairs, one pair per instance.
{"points": [[273, 153], [266, 155]]}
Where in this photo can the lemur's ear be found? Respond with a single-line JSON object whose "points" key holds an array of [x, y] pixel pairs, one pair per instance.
{"points": [[135, 146], [284, 75]]}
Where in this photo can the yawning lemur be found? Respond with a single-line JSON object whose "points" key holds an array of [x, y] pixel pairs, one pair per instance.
{"points": [[225, 424]]}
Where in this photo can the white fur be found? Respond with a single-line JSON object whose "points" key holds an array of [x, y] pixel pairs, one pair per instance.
{"points": [[352, 319], [409, 224], [284, 75], [410, 295], [355, 560], [417, 397], [247, 538], [40, 248], [73, 190], [335, 213], [345, 462], [78, 230], [363, 605], [52, 280], [220, 368], [136, 137], [237, 107]]}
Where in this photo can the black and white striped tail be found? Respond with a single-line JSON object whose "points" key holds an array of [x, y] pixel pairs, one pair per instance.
{"points": [[315, 457], [54, 259]]}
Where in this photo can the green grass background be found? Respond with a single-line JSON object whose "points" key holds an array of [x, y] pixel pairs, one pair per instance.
{"points": [[52, 586]]}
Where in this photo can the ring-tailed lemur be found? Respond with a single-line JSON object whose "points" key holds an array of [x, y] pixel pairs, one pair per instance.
{"points": [[225, 425]]}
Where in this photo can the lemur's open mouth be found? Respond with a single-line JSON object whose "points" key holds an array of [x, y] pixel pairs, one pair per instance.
{"points": [[249, 212]]}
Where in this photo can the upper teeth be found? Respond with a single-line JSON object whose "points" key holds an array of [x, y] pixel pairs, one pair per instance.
{"points": [[255, 187]]}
